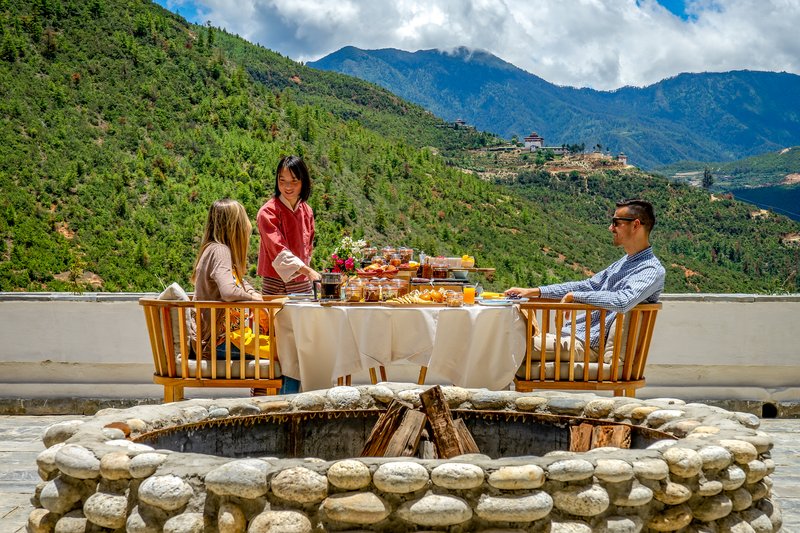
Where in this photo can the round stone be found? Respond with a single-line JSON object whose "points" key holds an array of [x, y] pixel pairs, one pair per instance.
{"points": [[165, 492], [709, 487], [673, 493], [458, 476], [570, 470], [115, 465], [758, 520], [411, 396], [46, 460], [732, 477], [599, 408], [435, 510], [517, 477], [194, 413], [683, 462], [42, 521], [671, 519], [246, 478], [61, 432], [712, 508], [662, 416], [772, 511], [78, 462], [230, 518], [344, 397], [743, 452], [582, 500], [145, 520], [244, 409], [620, 524], [185, 523], [358, 508], [349, 474], [759, 490], [770, 464], [59, 496], [613, 470], [382, 393], [651, 469], [529, 403], [522, 508], [569, 527], [740, 498], [566, 406], [400, 477], [637, 495], [735, 524], [146, 464], [218, 412], [106, 510], [747, 419], [486, 399], [455, 396], [280, 522], [300, 485], [130, 446], [715, 457], [137, 425], [762, 441], [309, 402], [755, 471], [113, 433], [72, 522]]}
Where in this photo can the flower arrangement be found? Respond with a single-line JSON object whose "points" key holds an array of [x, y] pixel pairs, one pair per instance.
{"points": [[347, 255]]}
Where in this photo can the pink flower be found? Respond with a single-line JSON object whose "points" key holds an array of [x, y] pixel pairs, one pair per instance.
{"points": [[350, 263]]}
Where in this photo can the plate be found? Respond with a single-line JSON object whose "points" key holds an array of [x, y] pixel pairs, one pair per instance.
{"points": [[500, 301], [300, 296]]}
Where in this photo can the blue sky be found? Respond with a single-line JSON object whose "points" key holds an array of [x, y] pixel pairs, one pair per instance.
{"points": [[603, 44]]}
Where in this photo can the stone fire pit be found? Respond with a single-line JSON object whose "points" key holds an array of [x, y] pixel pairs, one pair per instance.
{"points": [[248, 465]]}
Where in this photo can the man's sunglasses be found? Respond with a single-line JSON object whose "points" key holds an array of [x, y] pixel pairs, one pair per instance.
{"points": [[615, 221]]}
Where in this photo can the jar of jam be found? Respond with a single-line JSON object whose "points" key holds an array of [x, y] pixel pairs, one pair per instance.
{"points": [[454, 298], [387, 252], [372, 292], [439, 268], [354, 291], [388, 290], [427, 268], [395, 260], [405, 254], [400, 286]]}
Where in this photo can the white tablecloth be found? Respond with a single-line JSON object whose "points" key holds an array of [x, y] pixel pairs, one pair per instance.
{"points": [[471, 346]]}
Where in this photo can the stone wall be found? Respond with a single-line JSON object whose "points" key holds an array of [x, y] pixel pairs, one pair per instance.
{"points": [[715, 476]]}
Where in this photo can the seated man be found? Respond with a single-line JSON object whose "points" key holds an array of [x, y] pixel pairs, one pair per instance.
{"points": [[638, 277]]}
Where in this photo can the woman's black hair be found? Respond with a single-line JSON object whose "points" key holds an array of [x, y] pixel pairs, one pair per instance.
{"points": [[299, 170]]}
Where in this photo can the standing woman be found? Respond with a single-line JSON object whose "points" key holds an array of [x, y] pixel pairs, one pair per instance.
{"points": [[286, 226], [219, 269]]}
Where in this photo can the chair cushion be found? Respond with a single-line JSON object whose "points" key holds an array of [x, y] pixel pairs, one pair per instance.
{"points": [[550, 371], [236, 365]]}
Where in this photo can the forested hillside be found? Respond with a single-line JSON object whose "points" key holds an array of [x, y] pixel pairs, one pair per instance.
{"points": [[703, 116], [120, 123]]}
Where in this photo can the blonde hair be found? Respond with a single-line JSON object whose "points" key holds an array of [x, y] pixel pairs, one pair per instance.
{"points": [[227, 224]]}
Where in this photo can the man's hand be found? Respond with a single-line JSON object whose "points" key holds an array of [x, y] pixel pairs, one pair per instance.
{"points": [[310, 273], [522, 292], [568, 298]]}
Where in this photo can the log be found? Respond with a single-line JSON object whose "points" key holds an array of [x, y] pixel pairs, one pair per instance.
{"points": [[465, 440], [404, 441], [445, 436], [611, 435], [384, 429], [580, 437]]}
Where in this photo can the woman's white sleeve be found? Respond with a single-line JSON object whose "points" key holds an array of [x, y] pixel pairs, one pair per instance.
{"points": [[287, 265]]}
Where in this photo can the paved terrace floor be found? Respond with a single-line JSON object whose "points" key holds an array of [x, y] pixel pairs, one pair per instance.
{"points": [[20, 443]]}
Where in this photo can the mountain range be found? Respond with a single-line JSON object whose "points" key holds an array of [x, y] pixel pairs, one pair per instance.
{"points": [[704, 117]]}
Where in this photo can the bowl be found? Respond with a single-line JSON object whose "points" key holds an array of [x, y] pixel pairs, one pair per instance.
{"points": [[459, 274]]}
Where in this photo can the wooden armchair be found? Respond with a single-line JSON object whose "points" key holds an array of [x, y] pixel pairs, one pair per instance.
{"points": [[176, 367], [619, 365]]}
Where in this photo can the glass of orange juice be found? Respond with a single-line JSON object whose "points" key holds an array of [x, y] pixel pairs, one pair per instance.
{"points": [[469, 294]]}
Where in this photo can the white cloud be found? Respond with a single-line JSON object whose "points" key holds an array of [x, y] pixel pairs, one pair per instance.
{"points": [[602, 44]]}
